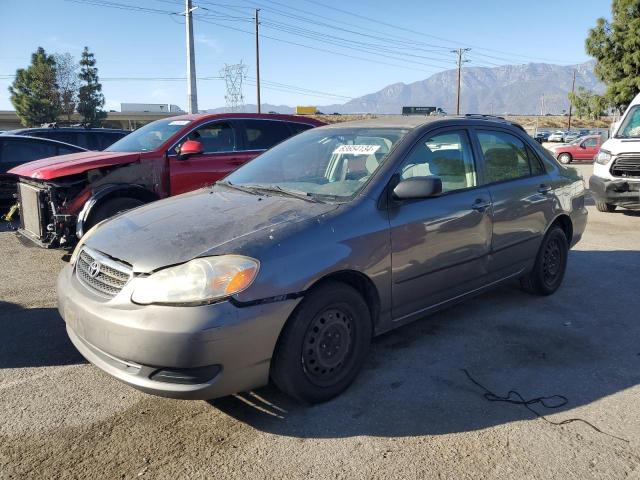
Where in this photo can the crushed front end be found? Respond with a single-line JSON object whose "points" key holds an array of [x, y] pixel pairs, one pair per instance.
{"points": [[48, 211]]}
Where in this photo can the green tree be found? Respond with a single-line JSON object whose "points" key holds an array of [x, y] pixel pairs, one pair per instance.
{"points": [[615, 45], [90, 97], [34, 93], [67, 81], [587, 104]]}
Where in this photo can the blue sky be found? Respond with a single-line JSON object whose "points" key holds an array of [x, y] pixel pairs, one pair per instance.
{"points": [[404, 41]]}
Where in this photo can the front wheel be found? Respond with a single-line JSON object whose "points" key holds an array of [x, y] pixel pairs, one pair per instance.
{"points": [[111, 207], [551, 263], [323, 344], [564, 158], [605, 207]]}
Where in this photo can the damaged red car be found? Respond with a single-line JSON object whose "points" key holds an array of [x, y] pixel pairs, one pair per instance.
{"points": [[61, 198]]}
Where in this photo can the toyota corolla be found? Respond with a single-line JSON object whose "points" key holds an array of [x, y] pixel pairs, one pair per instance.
{"points": [[285, 270]]}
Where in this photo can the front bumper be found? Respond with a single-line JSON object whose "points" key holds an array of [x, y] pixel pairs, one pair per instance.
{"points": [[623, 192], [132, 342]]}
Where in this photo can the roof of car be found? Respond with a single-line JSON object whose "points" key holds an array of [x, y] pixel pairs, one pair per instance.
{"points": [[41, 140], [20, 131], [414, 121], [262, 116]]}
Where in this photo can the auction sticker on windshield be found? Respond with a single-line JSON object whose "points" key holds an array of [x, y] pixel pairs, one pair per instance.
{"points": [[357, 149]]}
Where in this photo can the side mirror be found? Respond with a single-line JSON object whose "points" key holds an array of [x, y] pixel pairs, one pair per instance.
{"points": [[418, 187], [189, 148]]}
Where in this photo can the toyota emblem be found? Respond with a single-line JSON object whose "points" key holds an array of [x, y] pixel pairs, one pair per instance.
{"points": [[94, 269]]}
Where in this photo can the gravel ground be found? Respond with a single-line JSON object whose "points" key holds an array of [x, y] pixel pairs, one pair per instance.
{"points": [[412, 413]]}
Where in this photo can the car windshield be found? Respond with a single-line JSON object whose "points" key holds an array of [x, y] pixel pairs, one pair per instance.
{"points": [[330, 163], [149, 137], [630, 127]]}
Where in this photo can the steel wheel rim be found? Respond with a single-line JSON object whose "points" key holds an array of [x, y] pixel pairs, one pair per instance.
{"points": [[328, 346], [552, 261]]}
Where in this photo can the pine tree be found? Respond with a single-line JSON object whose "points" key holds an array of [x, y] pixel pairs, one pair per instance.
{"points": [[90, 98], [34, 93], [615, 45]]}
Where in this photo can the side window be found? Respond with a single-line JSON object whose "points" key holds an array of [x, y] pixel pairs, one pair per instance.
{"points": [[447, 155], [66, 151], [214, 137], [62, 136], [264, 134], [297, 128], [25, 151], [592, 142], [506, 157]]}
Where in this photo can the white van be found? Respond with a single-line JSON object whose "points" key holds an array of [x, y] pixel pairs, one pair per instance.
{"points": [[616, 171]]}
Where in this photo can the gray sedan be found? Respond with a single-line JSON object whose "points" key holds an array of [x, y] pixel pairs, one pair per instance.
{"points": [[288, 267]]}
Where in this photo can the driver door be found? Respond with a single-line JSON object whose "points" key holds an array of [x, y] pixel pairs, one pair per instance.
{"points": [[440, 245], [221, 155]]}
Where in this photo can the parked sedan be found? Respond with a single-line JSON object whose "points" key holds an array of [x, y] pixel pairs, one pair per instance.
{"points": [[289, 266], [581, 149], [557, 136], [17, 150]]}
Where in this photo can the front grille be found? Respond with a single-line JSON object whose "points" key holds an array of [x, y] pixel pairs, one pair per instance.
{"points": [[31, 209], [626, 165], [100, 274]]}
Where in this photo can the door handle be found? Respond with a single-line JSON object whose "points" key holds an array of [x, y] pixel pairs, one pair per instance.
{"points": [[544, 189], [479, 205]]}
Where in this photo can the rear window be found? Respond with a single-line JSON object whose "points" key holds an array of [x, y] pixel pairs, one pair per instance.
{"points": [[264, 134]]}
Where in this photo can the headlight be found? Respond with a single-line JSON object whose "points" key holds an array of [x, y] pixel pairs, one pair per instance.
{"points": [[80, 244], [603, 157], [197, 282]]}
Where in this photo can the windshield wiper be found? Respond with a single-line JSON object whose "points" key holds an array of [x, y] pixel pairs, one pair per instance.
{"points": [[236, 187], [278, 189]]}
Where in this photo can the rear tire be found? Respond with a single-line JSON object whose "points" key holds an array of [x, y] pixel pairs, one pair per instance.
{"points": [[111, 207], [564, 158], [551, 263], [323, 344], [605, 207]]}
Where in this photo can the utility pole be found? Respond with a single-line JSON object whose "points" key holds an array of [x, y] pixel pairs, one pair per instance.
{"points": [[257, 61], [192, 92], [459, 52], [573, 91]]}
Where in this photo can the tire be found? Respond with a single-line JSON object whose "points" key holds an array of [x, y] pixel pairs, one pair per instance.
{"points": [[564, 158], [323, 344], [111, 207], [551, 263], [605, 207]]}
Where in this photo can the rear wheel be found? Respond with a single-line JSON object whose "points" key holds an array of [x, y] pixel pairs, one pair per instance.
{"points": [[323, 345], [564, 158], [111, 207], [551, 263], [605, 207]]}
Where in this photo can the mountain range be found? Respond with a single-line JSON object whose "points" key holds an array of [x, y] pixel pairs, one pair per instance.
{"points": [[513, 89]]}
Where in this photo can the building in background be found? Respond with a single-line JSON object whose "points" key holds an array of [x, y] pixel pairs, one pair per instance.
{"points": [[150, 107]]}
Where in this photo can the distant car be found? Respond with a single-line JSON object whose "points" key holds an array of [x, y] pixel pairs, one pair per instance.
{"points": [[583, 132], [541, 137], [571, 136], [336, 113], [581, 149], [87, 138], [557, 136], [16, 150]]}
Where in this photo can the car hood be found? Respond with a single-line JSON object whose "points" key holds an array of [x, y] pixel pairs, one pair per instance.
{"points": [[71, 164], [204, 222], [617, 146]]}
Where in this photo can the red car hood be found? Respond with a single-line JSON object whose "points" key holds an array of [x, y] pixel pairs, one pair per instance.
{"points": [[64, 165]]}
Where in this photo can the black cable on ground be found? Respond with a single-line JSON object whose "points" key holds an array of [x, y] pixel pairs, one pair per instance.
{"points": [[553, 401]]}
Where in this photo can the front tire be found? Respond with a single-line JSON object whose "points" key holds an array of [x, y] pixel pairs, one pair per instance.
{"points": [[551, 263], [564, 158], [323, 344], [605, 207]]}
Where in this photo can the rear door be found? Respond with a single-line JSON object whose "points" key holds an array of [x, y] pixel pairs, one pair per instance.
{"points": [[221, 143], [440, 245], [522, 199]]}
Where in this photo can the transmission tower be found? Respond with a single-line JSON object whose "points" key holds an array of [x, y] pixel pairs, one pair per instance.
{"points": [[233, 76]]}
